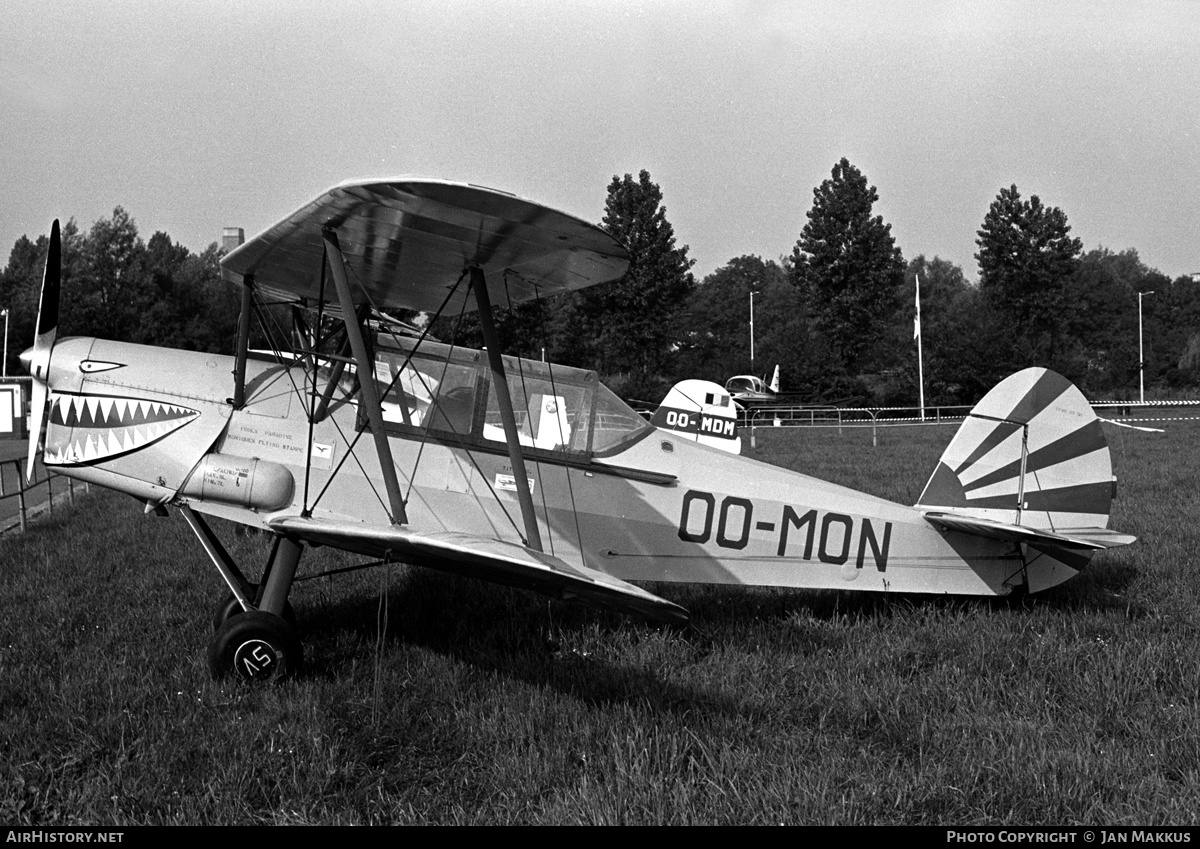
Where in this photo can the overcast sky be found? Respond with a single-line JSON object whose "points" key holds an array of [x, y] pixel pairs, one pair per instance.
{"points": [[195, 116]]}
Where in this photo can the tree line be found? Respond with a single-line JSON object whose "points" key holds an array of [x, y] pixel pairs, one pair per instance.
{"points": [[117, 286], [836, 314]]}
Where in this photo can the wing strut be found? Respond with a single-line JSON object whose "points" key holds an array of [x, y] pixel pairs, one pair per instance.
{"points": [[533, 537], [366, 377], [243, 344]]}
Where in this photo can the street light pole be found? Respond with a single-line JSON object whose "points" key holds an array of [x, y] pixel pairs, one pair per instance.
{"points": [[752, 294], [1141, 355]]}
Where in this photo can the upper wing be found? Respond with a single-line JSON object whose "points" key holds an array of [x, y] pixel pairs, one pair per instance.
{"points": [[407, 240], [490, 559]]}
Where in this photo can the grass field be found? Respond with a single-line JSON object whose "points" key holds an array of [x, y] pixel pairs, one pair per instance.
{"points": [[430, 699]]}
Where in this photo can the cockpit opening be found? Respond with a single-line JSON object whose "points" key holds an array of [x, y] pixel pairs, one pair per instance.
{"points": [[446, 392]]}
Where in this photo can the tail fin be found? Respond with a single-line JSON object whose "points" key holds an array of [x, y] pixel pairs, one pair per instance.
{"points": [[775, 380], [1036, 422], [1030, 456], [701, 411]]}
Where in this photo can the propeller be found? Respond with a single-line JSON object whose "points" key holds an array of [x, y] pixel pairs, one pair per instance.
{"points": [[37, 359]]}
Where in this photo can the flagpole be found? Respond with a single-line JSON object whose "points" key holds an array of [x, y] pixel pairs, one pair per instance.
{"points": [[920, 359]]}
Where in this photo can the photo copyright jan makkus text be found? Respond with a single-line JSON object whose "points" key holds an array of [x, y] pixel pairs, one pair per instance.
{"points": [[1099, 836]]}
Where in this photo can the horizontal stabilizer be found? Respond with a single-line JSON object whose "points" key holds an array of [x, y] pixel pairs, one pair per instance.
{"points": [[490, 559], [1078, 539]]}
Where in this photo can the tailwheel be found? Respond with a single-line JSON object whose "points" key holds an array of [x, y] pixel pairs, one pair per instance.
{"points": [[229, 606], [255, 646]]}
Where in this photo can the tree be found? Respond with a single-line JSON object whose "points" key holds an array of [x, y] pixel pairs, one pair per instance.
{"points": [[1189, 360], [1099, 352], [627, 329], [19, 293], [164, 260], [849, 270], [1026, 258], [783, 337], [945, 300], [114, 286], [217, 325], [21, 284], [1171, 321], [191, 306], [522, 329], [112, 294], [715, 342]]}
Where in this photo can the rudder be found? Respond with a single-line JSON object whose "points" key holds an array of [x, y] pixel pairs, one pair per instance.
{"points": [[701, 411], [1038, 421]]}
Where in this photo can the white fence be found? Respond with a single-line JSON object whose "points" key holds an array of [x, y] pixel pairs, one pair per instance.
{"points": [[20, 501]]}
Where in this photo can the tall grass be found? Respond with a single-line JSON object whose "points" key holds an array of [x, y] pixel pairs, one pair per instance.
{"points": [[431, 699]]}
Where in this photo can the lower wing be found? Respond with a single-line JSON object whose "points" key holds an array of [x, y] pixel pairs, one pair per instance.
{"points": [[489, 559]]}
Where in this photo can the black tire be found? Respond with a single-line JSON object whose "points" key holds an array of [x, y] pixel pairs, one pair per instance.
{"points": [[255, 646], [230, 607]]}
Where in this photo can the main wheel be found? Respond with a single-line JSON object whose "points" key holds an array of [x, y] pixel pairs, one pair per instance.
{"points": [[255, 646], [229, 606]]}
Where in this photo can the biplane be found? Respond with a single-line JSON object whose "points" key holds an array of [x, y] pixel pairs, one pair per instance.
{"points": [[356, 435]]}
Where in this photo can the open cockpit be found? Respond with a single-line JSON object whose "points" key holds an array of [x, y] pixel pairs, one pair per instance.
{"points": [[445, 393]]}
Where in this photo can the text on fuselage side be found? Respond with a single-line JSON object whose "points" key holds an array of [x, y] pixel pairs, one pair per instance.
{"points": [[734, 522], [701, 423]]}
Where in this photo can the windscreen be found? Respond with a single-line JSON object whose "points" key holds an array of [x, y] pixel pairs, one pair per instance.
{"points": [[443, 388]]}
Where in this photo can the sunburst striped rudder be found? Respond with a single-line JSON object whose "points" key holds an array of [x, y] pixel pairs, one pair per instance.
{"points": [[1068, 480]]}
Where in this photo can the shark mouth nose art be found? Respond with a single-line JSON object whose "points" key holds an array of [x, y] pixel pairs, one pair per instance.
{"points": [[89, 428]]}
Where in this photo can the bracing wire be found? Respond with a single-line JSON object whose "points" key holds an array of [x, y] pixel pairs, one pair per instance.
{"points": [[312, 406], [566, 469], [528, 413], [467, 451], [391, 385], [278, 354], [434, 397], [354, 442]]}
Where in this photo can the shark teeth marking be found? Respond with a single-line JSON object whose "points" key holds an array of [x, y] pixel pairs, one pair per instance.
{"points": [[86, 429]]}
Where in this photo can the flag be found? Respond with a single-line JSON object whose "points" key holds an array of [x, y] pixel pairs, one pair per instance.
{"points": [[917, 320]]}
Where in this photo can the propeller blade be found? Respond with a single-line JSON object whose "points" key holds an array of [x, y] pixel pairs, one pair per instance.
{"points": [[38, 409], [51, 282], [43, 342]]}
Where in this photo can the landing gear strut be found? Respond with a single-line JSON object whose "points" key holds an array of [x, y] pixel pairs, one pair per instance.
{"points": [[230, 606], [256, 636]]}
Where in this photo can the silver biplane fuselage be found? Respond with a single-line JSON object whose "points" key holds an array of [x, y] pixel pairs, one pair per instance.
{"points": [[610, 491], [516, 471]]}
